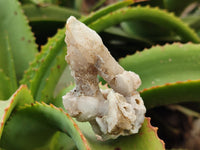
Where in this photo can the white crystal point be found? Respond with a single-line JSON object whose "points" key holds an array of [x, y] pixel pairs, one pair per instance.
{"points": [[111, 112], [83, 38]]}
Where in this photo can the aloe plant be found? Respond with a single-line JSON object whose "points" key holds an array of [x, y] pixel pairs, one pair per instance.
{"points": [[32, 115]]}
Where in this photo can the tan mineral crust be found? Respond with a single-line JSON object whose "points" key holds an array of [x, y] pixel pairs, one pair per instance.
{"points": [[114, 111]]}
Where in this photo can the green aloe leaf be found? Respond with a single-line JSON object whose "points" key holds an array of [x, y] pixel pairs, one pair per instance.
{"points": [[46, 20], [20, 97], [15, 26], [152, 15], [61, 141], [148, 31], [44, 3], [43, 74], [115, 32], [56, 141], [51, 13], [106, 10], [8, 81], [161, 66], [5, 86], [41, 1], [38, 123], [170, 93], [165, 64]]}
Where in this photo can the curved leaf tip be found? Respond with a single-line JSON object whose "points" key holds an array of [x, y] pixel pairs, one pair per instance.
{"points": [[74, 124], [6, 107], [154, 129]]}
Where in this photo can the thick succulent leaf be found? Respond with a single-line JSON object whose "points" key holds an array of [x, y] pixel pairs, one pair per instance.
{"points": [[165, 64], [55, 73], [49, 13], [20, 97], [38, 123], [121, 43], [8, 81], [106, 10], [5, 86], [15, 26], [162, 65], [116, 32], [48, 2], [187, 91], [46, 20], [158, 3], [149, 31], [43, 3], [43, 74], [61, 141], [152, 15]]}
